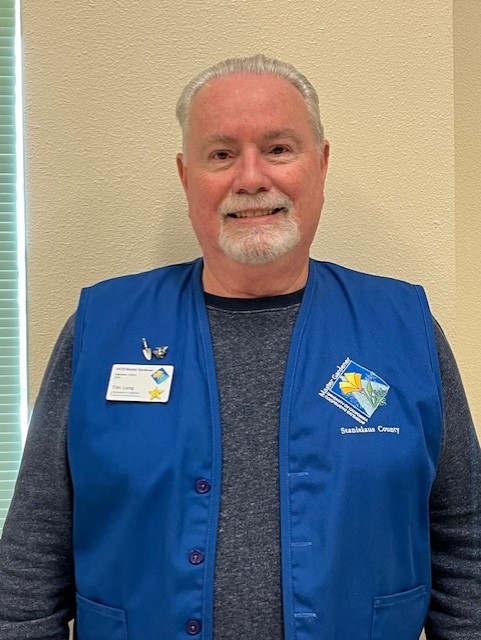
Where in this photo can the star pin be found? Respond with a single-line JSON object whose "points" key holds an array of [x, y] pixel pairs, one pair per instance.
{"points": [[155, 394]]}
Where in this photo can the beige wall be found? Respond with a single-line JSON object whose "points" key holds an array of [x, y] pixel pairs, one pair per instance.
{"points": [[103, 198], [467, 110]]}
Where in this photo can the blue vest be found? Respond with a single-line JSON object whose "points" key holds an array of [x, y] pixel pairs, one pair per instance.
{"points": [[360, 431]]}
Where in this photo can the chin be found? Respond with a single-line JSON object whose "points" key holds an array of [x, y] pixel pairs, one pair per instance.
{"points": [[260, 245]]}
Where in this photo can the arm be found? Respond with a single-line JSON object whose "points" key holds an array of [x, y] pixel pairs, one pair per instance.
{"points": [[36, 566], [455, 508]]}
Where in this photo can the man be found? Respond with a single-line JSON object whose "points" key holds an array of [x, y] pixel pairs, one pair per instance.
{"points": [[258, 445]]}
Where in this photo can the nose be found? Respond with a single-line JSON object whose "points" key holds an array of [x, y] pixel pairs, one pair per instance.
{"points": [[252, 174]]}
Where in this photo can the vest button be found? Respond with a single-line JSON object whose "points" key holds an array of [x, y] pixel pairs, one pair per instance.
{"points": [[202, 486], [196, 557], [193, 627]]}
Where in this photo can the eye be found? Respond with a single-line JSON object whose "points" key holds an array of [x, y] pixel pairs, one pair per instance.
{"points": [[279, 149], [221, 155]]}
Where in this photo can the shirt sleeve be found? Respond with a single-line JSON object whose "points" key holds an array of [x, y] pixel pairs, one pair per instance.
{"points": [[455, 510], [36, 563]]}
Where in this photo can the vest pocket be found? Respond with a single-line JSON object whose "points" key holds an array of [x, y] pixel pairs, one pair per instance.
{"points": [[98, 622], [400, 616]]}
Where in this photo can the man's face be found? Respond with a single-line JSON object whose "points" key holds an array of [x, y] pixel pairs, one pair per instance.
{"points": [[253, 177]]}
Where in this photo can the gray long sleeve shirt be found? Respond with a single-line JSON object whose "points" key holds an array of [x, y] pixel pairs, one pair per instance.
{"points": [[36, 559]]}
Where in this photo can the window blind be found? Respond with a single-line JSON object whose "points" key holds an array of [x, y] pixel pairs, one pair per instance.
{"points": [[10, 412]]}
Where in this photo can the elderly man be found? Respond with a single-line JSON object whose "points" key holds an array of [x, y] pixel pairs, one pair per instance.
{"points": [[259, 445]]}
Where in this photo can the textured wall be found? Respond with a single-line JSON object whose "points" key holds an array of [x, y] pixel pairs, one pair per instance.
{"points": [[102, 79], [467, 56]]}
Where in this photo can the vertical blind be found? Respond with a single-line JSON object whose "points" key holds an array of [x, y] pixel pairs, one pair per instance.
{"points": [[10, 436]]}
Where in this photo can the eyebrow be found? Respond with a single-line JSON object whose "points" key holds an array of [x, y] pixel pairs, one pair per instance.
{"points": [[219, 139], [281, 133], [268, 135]]}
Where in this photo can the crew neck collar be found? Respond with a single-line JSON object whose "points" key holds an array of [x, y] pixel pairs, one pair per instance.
{"points": [[254, 304]]}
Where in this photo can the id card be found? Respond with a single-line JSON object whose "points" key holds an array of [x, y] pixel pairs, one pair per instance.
{"points": [[140, 383]]}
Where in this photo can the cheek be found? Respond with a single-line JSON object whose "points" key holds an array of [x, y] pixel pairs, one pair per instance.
{"points": [[206, 195], [302, 184], [203, 204], [308, 196], [290, 181]]}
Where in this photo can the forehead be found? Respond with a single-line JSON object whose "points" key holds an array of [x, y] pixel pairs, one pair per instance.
{"points": [[241, 105]]}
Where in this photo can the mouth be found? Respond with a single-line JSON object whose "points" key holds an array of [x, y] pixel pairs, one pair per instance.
{"points": [[255, 213]]}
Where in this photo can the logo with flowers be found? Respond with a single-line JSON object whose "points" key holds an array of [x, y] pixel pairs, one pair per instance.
{"points": [[356, 390], [353, 383]]}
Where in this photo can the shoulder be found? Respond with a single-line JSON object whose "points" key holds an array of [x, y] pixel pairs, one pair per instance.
{"points": [[346, 274], [134, 281], [366, 288]]}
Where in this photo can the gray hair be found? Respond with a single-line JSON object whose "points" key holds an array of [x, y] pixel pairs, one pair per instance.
{"points": [[258, 64]]}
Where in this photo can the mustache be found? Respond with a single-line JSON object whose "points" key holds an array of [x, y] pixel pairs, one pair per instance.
{"points": [[264, 200]]}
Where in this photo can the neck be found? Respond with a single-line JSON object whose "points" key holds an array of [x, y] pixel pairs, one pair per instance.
{"points": [[238, 280]]}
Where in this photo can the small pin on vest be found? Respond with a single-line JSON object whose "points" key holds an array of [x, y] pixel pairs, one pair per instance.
{"points": [[157, 352]]}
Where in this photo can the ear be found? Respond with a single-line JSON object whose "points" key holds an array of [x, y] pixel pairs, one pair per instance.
{"points": [[324, 156], [182, 169]]}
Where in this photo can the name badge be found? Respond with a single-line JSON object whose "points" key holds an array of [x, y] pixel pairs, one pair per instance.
{"points": [[140, 383]]}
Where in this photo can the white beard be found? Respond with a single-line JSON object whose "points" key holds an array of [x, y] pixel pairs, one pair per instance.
{"points": [[258, 244]]}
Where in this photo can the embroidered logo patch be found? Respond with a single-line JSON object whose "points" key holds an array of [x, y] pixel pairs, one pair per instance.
{"points": [[356, 390]]}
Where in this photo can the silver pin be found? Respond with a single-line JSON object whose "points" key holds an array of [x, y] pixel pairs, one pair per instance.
{"points": [[157, 352], [160, 352], [146, 350]]}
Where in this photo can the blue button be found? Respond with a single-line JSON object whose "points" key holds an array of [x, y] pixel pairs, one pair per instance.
{"points": [[193, 627], [196, 557], [202, 486]]}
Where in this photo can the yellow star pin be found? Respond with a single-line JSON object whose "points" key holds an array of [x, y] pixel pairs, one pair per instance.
{"points": [[155, 393]]}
